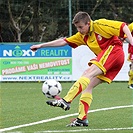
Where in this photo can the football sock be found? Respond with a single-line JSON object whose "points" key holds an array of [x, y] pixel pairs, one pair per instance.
{"points": [[84, 104], [130, 77], [80, 85]]}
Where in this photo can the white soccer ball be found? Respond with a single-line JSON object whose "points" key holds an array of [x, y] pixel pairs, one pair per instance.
{"points": [[51, 88]]}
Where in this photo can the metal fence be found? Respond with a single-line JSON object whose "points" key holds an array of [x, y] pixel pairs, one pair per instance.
{"points": [[44, 20]]}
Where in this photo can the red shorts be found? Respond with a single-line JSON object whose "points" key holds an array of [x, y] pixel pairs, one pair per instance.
{"points": [[110, 61], [130, 52]]}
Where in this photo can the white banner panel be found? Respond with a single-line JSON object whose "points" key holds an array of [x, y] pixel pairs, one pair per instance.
{"points": [[82, 55]]}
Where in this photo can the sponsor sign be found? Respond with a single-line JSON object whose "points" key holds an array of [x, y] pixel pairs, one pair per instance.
{"points": [[19, 63]]}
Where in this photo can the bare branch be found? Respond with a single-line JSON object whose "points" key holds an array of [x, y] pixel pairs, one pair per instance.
{"points": [[43, 32], [15, 24], [28, 23], [95, 7], [24, 8], [22, 12], [12, 33]]}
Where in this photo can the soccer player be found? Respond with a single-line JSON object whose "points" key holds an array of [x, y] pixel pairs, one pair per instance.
{"points": [[130, 59], [101, 37], [130, 74]]}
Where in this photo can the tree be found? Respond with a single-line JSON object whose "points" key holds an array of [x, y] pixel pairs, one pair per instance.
{"points": [[45, 20], [16, 23]]}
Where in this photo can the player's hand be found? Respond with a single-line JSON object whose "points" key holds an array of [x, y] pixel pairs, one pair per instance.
{"points": [[34, 47]]}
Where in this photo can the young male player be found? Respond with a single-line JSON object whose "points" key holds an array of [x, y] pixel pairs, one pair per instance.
{"points": [[130, 74], [101, 36], [130, 59]]}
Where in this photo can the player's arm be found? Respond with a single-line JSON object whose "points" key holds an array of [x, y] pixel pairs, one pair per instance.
{"points": [[128, 34], [55, 43]]}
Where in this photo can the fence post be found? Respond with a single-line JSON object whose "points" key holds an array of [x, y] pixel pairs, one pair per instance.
{"points": [[70, 18]]}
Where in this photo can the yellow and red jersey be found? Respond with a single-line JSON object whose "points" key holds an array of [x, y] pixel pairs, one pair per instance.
{"points": [[103, 41], [130, 47], [102, 33]]}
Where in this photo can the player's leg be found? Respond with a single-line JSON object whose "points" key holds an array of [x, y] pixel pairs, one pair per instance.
{"points": [[130, 74], [84, 104], [80, 85], [129, 81], [86, 97], [100, 65]]}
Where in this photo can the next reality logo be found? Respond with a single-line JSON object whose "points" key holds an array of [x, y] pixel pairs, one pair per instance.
{"points": [[18, 52]]}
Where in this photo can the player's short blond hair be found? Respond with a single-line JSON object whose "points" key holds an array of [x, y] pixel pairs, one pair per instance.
{"points": [[81, 16]]}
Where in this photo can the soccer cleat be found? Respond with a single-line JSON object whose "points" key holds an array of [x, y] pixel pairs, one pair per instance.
{"points": [[130, 86], [78, 123], [59, 103]]}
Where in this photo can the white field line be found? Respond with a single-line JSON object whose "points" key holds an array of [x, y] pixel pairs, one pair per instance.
{"points": [[84, 130], [62, 117]]}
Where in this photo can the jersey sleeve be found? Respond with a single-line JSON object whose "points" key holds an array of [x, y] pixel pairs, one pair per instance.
{"points": [[75, 40], [130, 26], [109, 28]]}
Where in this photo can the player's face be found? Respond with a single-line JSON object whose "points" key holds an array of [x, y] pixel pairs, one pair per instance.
{"points": [[82, 27]]}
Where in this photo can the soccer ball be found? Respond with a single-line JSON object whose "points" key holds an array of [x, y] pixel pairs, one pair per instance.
{"points": [[51, 88]]}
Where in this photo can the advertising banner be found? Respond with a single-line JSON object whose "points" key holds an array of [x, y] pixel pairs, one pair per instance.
{"points": [[19, 63], [82, 55]]}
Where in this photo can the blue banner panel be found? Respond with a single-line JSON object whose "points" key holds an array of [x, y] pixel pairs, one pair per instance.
{"points": [[14, 51]]}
